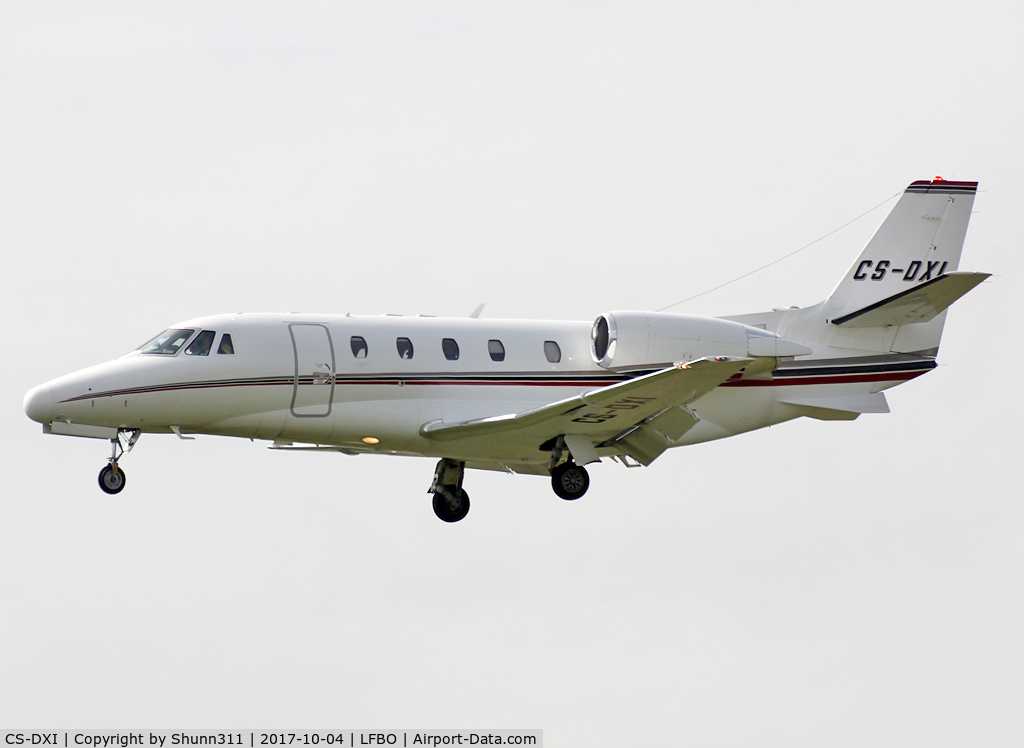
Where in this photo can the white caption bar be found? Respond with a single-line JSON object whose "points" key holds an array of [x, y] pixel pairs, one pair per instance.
{"points": [[267, 738]]}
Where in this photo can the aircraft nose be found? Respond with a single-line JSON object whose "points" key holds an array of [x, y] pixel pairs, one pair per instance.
{"points": [[39, 403]]}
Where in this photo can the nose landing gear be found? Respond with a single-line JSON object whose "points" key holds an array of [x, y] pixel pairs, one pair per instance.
{"points": [[451, 503], [111, 477]]}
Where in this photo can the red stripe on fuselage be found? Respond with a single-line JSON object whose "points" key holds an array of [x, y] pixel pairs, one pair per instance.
{"points": [[898, 376]]}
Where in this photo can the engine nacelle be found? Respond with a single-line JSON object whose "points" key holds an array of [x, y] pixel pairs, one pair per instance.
{"points": [[623, 340]]}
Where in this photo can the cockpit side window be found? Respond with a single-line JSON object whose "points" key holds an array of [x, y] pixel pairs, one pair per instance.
{"points": [[166, 343], [202, 344], [359, 347], [226, 345]]}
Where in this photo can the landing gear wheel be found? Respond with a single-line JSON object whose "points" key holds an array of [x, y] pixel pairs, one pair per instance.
{"points": [[570, 481], [451, 505], [111, 479]]}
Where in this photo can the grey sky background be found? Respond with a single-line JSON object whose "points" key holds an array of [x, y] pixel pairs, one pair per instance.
{"points": [[810, 584]]}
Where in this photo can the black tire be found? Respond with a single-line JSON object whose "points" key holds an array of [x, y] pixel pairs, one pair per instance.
{"points": [[570, 481], [451, 506], [112, 481]]}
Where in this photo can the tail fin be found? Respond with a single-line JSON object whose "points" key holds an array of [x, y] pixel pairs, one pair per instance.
{"points": [[920, 240], [895, 277]]}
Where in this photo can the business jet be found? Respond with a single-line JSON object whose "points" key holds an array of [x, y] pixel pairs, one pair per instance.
{"points": [[535, 397]]}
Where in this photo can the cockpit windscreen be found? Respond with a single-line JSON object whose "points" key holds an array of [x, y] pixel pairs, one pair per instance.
{"points": [[167, 343]]}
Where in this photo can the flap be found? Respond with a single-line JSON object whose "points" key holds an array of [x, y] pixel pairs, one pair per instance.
{"points": [[648, 440], [919, 304], [604, 412]]}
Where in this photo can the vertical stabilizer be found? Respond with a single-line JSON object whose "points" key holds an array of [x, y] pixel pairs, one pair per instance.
{"points": [[919, 240]]}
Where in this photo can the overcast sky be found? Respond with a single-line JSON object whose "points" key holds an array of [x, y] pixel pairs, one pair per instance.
{"points": [[810, 584]]}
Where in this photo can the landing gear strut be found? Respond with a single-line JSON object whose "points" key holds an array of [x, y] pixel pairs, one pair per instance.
{"points": [[112, 476], [451, 503]]}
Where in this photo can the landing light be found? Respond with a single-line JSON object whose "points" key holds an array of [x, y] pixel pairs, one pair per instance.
{"points": [[371, 440]]}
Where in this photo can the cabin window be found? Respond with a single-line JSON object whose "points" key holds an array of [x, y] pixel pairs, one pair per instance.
{"points": [[166, 343], [225, 344], [552, 351], [496, 349], [404, 346], [359, 349], [202, 344], [451, 349]]}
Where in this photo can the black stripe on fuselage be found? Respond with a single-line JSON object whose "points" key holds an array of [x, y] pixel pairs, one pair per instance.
{"points": [[571, 379], [790, 370], [866, 365]]}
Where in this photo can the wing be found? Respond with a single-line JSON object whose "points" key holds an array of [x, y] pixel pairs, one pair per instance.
{"points": [[598, 415]]}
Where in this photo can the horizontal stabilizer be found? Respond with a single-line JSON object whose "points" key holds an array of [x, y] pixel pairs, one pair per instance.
{"points": [[603, 413], [841, 407], [920, 304]]}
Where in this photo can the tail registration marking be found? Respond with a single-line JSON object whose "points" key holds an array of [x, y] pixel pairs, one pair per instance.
{"points": [[910, 273]]}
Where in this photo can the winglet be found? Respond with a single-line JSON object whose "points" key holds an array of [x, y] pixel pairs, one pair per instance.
{"points": [[475, 314]]}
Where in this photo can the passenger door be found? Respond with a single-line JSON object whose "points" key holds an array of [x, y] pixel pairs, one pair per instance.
{"points": [[314, 370]]}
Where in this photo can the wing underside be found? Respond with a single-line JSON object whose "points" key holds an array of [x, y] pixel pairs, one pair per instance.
{"points": [[639, 417]]}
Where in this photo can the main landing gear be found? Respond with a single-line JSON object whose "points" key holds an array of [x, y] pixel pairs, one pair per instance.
{"points": [[112, 476], [568, 480], [451, 502]]}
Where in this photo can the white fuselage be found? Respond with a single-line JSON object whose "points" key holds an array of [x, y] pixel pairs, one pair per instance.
{"points": [[368, 384]]}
